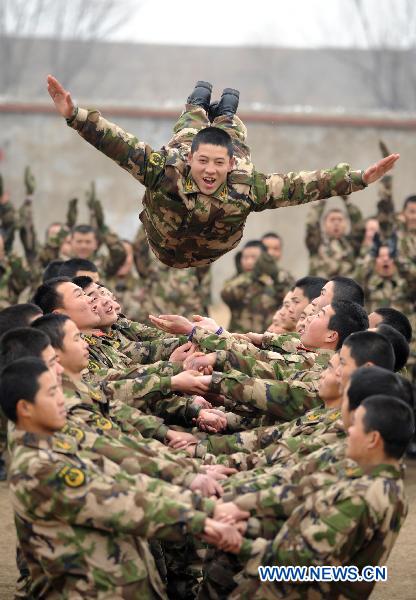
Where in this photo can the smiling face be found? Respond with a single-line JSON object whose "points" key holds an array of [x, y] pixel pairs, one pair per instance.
{"points": [[317, 333], [409, 215], [105, 305], [305, 317], [78, 306], [210, 166]]}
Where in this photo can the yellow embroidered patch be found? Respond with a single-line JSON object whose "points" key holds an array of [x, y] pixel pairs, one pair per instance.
{"points": [[74, 432], [103, 423], [189, 186], [157, 159], [224, 193], [72, 476], [62, 444]]}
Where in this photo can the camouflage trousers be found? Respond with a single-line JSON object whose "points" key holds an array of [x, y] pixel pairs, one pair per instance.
{"points": [[194, 118]]}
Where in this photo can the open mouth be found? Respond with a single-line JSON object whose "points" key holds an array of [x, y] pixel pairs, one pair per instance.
{"points": [[209, 181]]}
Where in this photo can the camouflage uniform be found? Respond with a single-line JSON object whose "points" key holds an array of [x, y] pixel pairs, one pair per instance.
{"points": [[253, 297], [79, 518], [318, 425], [168, 290], [272, 400], [355, 520], [184, 227], [7, 221], [331, 257], [15, 278], [398, 291]]}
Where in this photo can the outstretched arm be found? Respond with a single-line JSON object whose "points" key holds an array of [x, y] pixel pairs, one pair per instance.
{"points": [[276, 190], [125, 149]]}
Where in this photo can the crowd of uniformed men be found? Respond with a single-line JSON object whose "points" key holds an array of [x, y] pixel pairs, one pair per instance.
{"points": [[171, 457]]}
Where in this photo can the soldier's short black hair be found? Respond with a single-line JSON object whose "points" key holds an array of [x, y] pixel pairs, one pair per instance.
{"points": [[367, 381], [47, 296], [214, 136], [372, 347], [19, 381], [271, 234], [18, 315], [393, 419], [82, 281], [349, 317], [399, 344], [346, 288], [409, 200], [255, 244], [71, 267], [334, 210], [52, 326], [311, 286], [20, 343], [396, 319], [83, 228], [52, 269]]}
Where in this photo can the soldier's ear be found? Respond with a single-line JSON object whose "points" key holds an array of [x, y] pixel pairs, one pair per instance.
{"points": [[231, 164], [23, 409], [189, 159], [374, 440]]}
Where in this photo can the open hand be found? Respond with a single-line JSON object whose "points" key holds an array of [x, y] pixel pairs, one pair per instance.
{"points": [[380, 168], [61, 97]]}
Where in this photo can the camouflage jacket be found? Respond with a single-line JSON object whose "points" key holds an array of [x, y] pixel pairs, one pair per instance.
{"points": [[354, 520], [279, 400], [8, 224], [81, 520], [186, 228], [331, 257], [113, 433], [15, 278], [167, 290], [289, 437], [254, 297]]}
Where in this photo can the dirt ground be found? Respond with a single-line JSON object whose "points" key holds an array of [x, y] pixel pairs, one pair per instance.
{"points": [[401, 584]]}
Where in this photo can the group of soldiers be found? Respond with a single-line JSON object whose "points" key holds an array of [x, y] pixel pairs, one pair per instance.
{"points": [[160, 455]]}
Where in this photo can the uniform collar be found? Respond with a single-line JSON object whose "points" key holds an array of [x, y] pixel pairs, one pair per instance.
{"points": [[382, 470], [60, 442], [190, 187]]}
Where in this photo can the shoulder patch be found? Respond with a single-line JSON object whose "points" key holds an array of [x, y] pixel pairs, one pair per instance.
{"points": [[72, 476], [103, 423], [157, 159]]}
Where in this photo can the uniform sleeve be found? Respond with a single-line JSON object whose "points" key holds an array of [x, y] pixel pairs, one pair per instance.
{"points": [[313, 236], [140, 506], [357, 224], [323, 535], [276, 190], [124, 148], [284, 400], [8, 224]]}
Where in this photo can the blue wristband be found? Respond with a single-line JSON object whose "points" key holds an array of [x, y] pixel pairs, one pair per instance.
{"points": [[191, 335], [219, 331]]}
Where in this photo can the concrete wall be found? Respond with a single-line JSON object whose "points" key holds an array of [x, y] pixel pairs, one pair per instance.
{"points": [[64, 165]]}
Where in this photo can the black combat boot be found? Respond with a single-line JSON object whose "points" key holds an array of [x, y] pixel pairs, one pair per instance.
{"points": [[226, 106], [201, 96]]}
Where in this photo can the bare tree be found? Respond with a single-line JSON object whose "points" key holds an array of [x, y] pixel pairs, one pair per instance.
{"points": [[387, 31], [86, 21]]}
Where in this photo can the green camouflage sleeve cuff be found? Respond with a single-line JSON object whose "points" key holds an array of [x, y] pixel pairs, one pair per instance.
{"points": [[221, 357], [357, 181], [253, 530], [166, 385], [246, 549], [197, 523], [161, 433], [215, 385], [193, 411], [208, 506]]}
